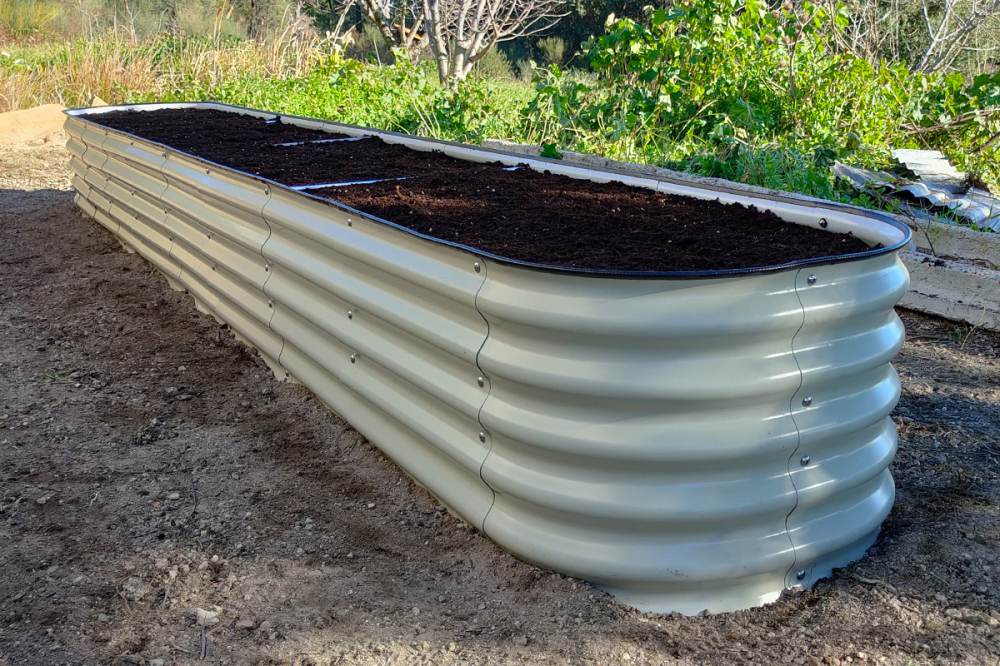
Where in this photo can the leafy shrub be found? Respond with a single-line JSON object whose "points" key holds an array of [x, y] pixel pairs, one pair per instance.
{"points": [[707, 75], [494, 65]]}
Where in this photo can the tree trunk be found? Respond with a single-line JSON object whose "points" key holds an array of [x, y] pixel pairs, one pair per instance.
{"points": [[253, 19]]}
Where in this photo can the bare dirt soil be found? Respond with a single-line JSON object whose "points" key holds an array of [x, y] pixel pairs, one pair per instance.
{"points": [[150, 466]]}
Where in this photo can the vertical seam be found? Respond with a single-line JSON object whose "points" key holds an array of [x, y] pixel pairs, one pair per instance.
{"points": [[798, 433], [270, 271], [489, 391]]}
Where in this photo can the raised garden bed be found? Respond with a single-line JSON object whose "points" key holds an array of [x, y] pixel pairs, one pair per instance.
{"points": [[684, 400]]}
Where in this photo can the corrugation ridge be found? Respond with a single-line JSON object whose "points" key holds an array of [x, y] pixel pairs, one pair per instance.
{"points": [[798, 443]]}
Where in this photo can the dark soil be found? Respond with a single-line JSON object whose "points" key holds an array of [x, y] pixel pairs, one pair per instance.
{"points": [[599, 225], [522, 214], [150, 465], [254, 146]]}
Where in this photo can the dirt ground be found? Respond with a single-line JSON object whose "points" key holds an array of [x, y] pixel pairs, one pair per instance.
{"points": [[150, 465]]}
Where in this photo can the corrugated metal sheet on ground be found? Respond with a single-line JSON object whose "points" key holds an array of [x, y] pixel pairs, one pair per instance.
{"points": [[974, 205]]}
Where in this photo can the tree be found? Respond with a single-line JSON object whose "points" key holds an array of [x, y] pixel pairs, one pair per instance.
{"points": [[461, 32], [950, 34]]}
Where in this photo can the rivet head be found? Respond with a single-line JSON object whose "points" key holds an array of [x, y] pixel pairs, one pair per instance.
{"points": [[350, 314], [350, 222], [806, 401], [354, 358], [480, 381], [804, 460], [800, 574], [267, 267], [482, 436], [476, 267], [811, 279], [823, 223], [270, 304]]}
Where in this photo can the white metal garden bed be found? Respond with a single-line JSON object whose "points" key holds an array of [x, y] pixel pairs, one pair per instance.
{"points": [[684, 443]]}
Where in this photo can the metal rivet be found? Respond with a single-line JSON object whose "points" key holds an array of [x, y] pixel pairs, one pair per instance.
{"points": [[267, 267], [804, 460], [349, 222], [354, 358], [476, 267], [800, 574], [482, 436], [811, 279], [350, 314], [806, 401], [270, 304], [823, 223], [480, 381], [213, 267]]}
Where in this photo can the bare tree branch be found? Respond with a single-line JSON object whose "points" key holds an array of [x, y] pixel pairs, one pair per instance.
{"points": [[461, 32]]}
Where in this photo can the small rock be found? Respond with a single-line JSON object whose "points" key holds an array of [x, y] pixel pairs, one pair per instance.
{"points": [[204, 618], [245, 623], [173, 495], [157, 662], [181, 368], [161, 563], [134, 589], [520, 640], [370, 505]]}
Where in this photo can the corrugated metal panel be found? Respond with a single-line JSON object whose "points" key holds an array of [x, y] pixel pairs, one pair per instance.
{"points": [[687, 444], [641, 432], [384, 328]]}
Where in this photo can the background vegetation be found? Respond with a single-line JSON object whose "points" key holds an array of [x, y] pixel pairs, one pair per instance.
{"points": [[744, 89]]}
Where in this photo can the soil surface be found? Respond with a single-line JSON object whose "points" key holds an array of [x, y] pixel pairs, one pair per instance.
{"points": [[151, 466], [600, 225], [520, 214]]}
